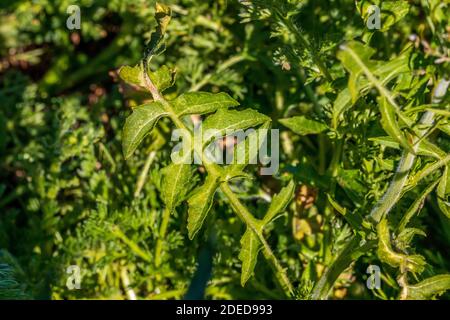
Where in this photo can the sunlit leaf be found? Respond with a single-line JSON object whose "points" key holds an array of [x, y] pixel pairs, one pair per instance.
{"points": [[250, 246], [356, 59], [176, 183], [391, 126], [132, 75], [163, 78], [202, 102], [200, 203], [428, 288], [416, 206], [225, 122], [139, 124], [303, 126], [280, 202], [425, 147]]}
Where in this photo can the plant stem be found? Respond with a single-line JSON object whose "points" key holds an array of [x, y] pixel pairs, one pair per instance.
{"points": [[108, 156], [144, 173], [310, 93], [344, 259], [334, 163], [322, 153], [161, 236], [115, 230], [126, 284]]}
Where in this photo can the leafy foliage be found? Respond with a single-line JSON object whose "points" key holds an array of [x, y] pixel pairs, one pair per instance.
{"points": [[87, 177]]}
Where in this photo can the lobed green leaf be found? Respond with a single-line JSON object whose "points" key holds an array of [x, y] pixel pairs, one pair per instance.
{"points": [[226, 121], [132, 75], [425, 148], [248, 147], [428, 288], [177, 181], [280, 202], [162, 78], [391, 126], [250, 247], [200, 203], [202, 102]]}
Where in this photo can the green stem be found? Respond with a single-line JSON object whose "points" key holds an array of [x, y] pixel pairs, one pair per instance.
{"points": [[161, 236], [322, 153], [116, 231], [108, 156], [326, 282], [131, 295], [334, 163], [144, 173]]}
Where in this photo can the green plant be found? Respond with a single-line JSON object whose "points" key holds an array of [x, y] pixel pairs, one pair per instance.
{"points": [[364, 150], [177, 178], [364, 74]]}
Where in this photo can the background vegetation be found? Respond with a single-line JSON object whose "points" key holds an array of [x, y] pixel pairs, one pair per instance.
{"points": [[348, 101]]}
